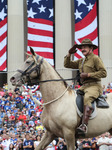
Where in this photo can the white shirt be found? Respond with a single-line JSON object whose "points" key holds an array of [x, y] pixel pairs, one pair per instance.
{"points": [[110, 142], [51, 145], [111, 84], [36, 143], [24, 93], [6, 144], [103, 140]]}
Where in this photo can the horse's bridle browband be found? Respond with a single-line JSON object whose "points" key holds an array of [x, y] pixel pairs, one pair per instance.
{"points": [[28, 70]]}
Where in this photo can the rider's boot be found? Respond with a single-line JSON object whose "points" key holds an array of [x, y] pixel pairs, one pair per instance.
{"points": [[82, 129]]}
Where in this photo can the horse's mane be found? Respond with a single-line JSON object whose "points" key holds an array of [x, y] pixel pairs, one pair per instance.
{"points": [[65, 83]]}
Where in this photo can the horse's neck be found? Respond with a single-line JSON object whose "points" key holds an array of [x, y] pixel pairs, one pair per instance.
{"points": [[53, 89]]}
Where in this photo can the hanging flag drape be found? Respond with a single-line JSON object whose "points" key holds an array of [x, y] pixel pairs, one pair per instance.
{"points": [[86, 24], [3, 35], [40, 28], [33, 88]]}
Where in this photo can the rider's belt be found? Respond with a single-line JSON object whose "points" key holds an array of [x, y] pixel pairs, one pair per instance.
{"points": [[91, 83]]}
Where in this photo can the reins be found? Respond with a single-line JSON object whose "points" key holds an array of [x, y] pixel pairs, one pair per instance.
{"points": [[56, 98], [57, 80], [51, 101], [28, 71]]}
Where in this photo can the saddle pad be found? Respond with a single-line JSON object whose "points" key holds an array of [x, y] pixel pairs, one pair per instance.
{"points": [[79, 104]]}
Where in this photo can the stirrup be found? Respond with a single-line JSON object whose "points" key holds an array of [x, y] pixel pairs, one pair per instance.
{"points": [[80, 130]]}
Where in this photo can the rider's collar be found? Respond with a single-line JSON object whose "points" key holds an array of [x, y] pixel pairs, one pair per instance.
{"points": [[89, 56]]}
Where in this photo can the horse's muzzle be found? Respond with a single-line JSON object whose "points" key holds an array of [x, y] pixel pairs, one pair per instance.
{"points": [[15, 82]]}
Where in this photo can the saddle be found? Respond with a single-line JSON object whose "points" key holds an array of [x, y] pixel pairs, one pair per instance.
{"points": [[100, 102]]}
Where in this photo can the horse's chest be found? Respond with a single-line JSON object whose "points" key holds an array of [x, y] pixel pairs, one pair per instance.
{"points": [[50, 123], [45, 118]]}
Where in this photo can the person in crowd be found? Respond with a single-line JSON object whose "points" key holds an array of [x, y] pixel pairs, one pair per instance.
{"points": [[16, 89], [109, 90], [103, 142], [6, 95], [31, 110], [104, 89], [39, 126], [61, 145], [79, 144], [51, 146], [6, 142], [94, 145], [38, 139], [10, 92], [2, 114], [77, 86], [111, 84], [28, 144], [86, 144], [1, 146], [2, 91], [34, 117], [12, 105], [20, 146], [5, 87], [22, 117], [9, 123], [5, 120], [29, 103], [13, 139], [12, 117], [110, 142], [18, 102], [11, 146]]}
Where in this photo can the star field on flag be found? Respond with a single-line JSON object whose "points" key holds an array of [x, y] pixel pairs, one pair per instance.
{"points": [[40, 28], [86, 25]]}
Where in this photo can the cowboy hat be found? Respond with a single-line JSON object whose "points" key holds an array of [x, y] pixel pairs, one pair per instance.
{"points": [[87, 42]]}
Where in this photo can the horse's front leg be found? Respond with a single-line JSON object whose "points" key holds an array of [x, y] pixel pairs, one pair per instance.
{"points": [[69, 136], [47, 138]]}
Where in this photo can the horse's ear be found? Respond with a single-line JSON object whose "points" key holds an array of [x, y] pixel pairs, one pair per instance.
{"points": [[32, 51]]}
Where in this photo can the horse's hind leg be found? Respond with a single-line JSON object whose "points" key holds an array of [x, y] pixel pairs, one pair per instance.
{"points": [[47, 138], [69, 137]]}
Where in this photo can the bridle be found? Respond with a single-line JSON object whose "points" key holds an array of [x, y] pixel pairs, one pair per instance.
{"points": [[36, 80], [28, 71]]}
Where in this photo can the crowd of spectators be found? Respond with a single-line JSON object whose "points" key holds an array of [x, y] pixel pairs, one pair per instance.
{"points": [[21, 127], [20, 123], [102, 142], [107, 89]]}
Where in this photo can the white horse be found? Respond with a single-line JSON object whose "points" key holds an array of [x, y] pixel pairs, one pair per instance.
{"points": [[59, 116]]}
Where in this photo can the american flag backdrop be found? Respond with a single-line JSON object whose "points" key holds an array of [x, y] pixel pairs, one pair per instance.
{"points": [[3, 34], [40, 28], [86, 24]]}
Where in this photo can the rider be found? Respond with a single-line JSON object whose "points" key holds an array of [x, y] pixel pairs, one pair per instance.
{"points": [[91, 71]]}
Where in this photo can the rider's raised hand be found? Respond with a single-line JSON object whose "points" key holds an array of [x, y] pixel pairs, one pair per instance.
{"points": [[73, 49]]}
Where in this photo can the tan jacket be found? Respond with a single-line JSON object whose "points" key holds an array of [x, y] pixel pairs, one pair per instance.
{"points": [[92, 65]]}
